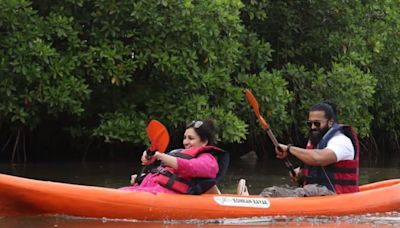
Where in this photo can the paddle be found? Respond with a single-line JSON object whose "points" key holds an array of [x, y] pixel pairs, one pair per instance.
{"points": [[253, 102], [158, 136]]}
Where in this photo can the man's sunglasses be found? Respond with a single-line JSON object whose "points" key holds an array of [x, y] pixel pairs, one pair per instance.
{"points": [[196, 123], [316, 123]]}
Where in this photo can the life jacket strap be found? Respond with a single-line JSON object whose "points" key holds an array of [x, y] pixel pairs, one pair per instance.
{"points": [[173, 181]]}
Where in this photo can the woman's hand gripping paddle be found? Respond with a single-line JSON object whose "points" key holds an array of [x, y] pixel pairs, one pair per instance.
{"points": [[253, 102], [158, 136]]}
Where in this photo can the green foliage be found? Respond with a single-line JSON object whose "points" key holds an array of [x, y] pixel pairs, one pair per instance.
{"points": [[351, 89], [160, 60], [384, 42], [270, 91], [336, 50], [111, 66], [130, 128], [37, 66]]}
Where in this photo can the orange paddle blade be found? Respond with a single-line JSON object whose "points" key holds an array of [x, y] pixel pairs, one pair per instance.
{"points": [[158, 136], [253, 102]]}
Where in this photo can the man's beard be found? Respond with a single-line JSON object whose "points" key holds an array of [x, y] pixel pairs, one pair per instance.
{"points": [[316, 135]]}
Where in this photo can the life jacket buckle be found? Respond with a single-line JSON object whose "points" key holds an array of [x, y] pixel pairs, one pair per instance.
{"points": [[165, 172]]}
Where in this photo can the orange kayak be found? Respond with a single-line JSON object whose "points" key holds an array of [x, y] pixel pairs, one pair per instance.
{"points": [[23, 196]]}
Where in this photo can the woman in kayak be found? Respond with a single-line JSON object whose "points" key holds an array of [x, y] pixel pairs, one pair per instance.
{"points": [[192, 170]]}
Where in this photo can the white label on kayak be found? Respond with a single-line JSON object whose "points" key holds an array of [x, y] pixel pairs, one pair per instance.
{"points": [[242, 201]]}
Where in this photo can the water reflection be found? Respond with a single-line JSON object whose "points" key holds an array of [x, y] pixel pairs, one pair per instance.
{"points": [[391, 219]]}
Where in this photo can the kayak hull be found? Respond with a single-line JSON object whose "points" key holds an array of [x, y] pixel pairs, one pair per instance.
{"points": [[23, 196]]}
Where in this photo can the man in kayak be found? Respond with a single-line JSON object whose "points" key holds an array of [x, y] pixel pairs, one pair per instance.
{"points": [[193, 170], [331, 158]]}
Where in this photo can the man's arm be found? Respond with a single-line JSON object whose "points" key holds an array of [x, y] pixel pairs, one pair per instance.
{"points": [[314, 157]]}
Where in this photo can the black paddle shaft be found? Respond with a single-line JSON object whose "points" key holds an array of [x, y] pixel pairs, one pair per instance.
{"points": [[288, 164]]}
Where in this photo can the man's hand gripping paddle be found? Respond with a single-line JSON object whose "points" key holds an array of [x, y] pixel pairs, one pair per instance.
{"points": [[159, 140], [253, 102]]}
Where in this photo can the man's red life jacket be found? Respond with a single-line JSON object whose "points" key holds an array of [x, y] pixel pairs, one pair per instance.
{"points": [[343, 175]]}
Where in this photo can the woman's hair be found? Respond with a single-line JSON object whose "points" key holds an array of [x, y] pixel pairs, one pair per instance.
{"points": [[329, 107], [205, 129]]}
